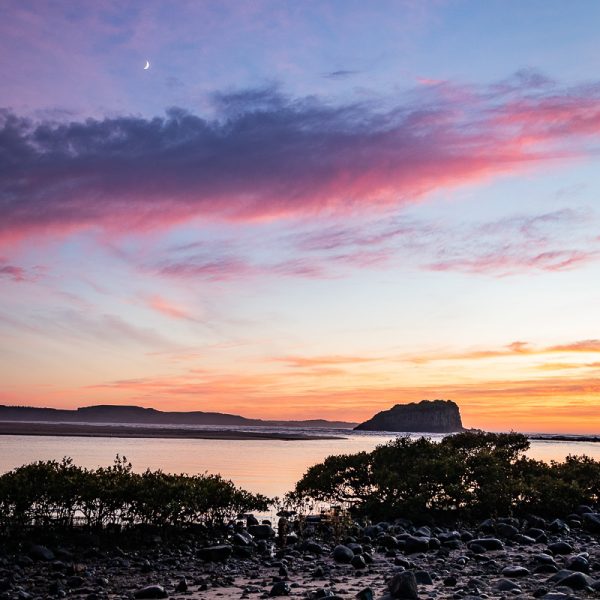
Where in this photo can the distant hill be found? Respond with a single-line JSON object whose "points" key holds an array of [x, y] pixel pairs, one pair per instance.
{"points": [[427, 416], [111, 413]]}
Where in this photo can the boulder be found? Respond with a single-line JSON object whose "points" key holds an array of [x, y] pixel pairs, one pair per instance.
{"points": [[414, 544], [403, 585], [342, 554], [591, 521], [215, 553], [38, 552], [261, 532], [488, 543], [561, 547], [280, 588], [515, 571]]}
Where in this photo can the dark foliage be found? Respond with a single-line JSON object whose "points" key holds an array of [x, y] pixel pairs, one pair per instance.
{"points": [[467, 475], [61, 494]]}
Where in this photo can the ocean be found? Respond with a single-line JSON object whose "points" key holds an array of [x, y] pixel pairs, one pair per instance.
{"points": [[270, 466]]}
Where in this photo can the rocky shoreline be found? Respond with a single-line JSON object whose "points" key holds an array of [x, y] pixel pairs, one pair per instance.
{"points": [[503, 558]]}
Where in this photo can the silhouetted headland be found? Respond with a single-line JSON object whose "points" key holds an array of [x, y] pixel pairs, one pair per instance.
{"points": [[111, 413], [427, 416]]}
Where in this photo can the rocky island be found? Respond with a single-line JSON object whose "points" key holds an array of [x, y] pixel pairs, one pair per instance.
{"points": [[430, 416]]}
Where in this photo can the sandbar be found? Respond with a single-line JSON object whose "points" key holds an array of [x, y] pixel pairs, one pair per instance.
{"points": [[129, 431]]}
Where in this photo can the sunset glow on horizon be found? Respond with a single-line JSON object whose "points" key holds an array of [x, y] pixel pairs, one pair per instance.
{"points": [[303, 211]]}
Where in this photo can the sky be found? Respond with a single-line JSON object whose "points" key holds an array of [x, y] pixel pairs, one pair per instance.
{"points": [[311, 209]]}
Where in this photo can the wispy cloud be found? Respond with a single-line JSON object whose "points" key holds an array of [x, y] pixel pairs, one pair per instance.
{"points": [[340, 74], [320, 361], [511, 262], [168, 308], [517, 348], [12, 272]]}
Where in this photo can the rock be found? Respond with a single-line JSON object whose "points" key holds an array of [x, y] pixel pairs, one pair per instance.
{"points": [[535, 521], [524, 540], [561, 547], [356, 548], [506, 585], [324, 593], [415, 544], [151, 591], [358, 562], [546, 569], [75, 581], [488, 543], [373, 531], [423, 578], [577, 581], [433, 416], [281, 588], [182, 585], [215, 553], [402, 562], [558, 526], [239, 539], [578, 563], [591, 521], [403, 585], [434, 544], [515, 571], [38, 552], [388, 541], [544, 559], [506, 530], [318, 573], [342, 554], [535, 532], [261, 532], [450, 581], [365, 594], [314, 548], [487, 526]]}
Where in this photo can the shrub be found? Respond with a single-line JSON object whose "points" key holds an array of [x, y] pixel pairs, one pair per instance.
{"points": [[467, 475], [61, 494]]}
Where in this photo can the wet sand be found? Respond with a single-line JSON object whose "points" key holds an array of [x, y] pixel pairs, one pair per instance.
{"points": [[127, 431]]}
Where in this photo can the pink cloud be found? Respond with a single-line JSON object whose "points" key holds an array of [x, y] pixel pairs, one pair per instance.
{"points": [[512, 263], [12, 272], [166, 307], [268, 156]]}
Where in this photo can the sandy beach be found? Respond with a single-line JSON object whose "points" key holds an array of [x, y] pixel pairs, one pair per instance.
{"points": [[127, 431]]}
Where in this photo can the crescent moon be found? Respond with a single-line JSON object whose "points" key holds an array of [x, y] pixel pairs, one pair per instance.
{"points": [[147, 65]]}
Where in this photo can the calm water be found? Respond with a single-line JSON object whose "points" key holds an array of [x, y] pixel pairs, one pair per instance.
{"points": [[267, 466]]}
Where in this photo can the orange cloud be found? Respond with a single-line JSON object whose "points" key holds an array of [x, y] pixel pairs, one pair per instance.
{"points": [[513, 349], [557, 403], [318, 361]]}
